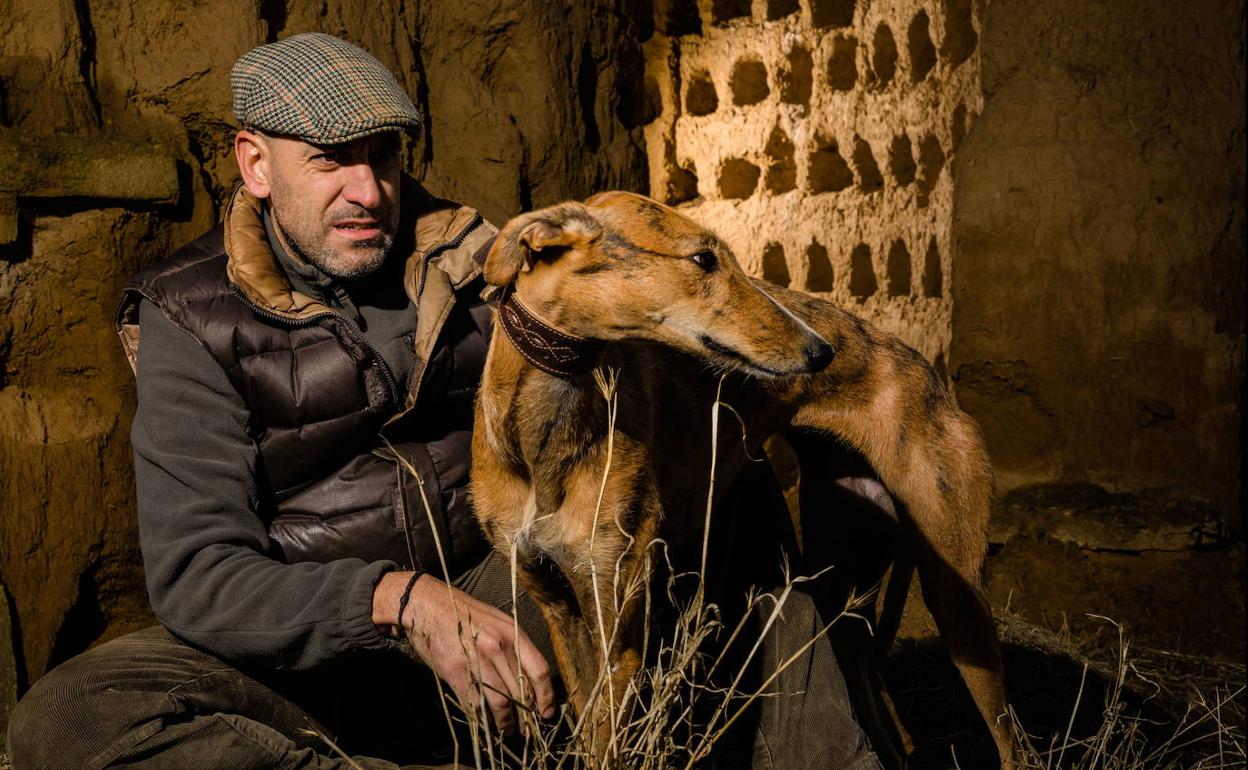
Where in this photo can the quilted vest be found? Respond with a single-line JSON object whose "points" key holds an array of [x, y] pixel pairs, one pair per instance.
{"points": [[350, 464]]}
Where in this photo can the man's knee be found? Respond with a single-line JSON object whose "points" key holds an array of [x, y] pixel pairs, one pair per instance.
{"points": [[83, 708], [47, 726]]}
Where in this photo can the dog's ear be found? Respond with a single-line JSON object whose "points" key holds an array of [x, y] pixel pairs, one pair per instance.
{"points": [[548, 230]]}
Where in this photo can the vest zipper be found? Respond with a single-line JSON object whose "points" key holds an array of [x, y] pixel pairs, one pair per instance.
{"points": [[400, 505], [357, 336]]}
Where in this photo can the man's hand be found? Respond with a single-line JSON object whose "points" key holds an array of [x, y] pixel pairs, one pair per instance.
{"points": [[463, 639]]}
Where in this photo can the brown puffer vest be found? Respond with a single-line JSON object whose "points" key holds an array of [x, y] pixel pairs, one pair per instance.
{"points": [[349, 465]]}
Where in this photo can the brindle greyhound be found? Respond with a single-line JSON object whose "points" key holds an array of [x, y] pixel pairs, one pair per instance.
{"points": [[624, 282]]}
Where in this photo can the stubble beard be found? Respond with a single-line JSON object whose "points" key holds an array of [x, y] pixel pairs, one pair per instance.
{"points": [[300, 230]]}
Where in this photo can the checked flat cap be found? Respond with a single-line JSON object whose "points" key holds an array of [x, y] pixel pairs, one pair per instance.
{"points": [[320, 89]]}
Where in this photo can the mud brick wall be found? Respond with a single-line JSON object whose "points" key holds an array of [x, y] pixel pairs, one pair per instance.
{"points": [[1047, 200], [816, 138]]}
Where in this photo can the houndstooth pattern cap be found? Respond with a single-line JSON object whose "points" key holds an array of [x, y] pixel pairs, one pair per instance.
{"points": [[320, 89]]}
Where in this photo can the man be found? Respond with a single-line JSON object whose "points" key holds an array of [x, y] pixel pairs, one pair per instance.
{"points": [[306, 377]]}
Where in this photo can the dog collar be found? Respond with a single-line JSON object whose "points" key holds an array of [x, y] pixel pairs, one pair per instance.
{"points": [[541, 344]]}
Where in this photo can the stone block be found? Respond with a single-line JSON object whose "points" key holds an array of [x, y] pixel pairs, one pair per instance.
{"points": [[68, 166]]}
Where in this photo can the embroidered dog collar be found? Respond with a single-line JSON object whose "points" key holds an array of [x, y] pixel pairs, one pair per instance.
{"points": [[542, 345]]}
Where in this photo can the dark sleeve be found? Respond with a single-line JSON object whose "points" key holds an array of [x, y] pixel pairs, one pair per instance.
{"points": [[207, 555]]}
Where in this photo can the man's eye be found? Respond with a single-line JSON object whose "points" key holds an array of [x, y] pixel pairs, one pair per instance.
{"points": [[326, 157], [705, 260]]}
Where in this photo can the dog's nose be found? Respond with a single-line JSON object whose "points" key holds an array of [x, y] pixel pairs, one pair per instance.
{"points": [[818, 355]]}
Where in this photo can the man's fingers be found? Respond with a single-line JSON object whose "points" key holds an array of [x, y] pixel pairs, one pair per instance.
{"points": [[504, 662], [537, 671], [528, 683], [497, 699], [532, 666]]}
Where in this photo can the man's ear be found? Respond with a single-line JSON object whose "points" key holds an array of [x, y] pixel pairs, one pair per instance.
{"points": [[254, 163], [548, 231]]}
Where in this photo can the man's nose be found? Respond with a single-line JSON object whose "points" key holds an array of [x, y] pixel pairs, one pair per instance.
{"points": [[363, 187]]}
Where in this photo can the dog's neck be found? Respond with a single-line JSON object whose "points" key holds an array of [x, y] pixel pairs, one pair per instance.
{"points": [[542, 345], [537, 422]]}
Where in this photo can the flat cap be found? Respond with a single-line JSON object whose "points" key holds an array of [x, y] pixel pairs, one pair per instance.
{"points": [[320, 89]]}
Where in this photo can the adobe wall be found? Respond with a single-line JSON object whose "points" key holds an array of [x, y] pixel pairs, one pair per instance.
{"points": [[1075, 268], [1047, 200]]}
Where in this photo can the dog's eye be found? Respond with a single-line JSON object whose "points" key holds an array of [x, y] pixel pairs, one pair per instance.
{"points": [[704, 260]]}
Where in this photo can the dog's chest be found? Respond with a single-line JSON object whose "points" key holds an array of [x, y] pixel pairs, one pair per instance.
{"points": [[581, 481]]}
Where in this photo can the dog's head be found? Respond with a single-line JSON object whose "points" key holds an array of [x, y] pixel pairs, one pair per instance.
{"points": [[621, 266]]}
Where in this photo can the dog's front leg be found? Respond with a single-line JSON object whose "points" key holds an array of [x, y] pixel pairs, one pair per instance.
{"points": [[545, 581], [609, 581], [605, 647], [595, 673]]}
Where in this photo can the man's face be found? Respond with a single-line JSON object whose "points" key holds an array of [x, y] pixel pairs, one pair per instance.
{"points": [[336, 207]]}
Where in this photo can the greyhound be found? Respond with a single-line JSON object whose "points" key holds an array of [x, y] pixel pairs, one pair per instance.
{"points": [[624, 282]]}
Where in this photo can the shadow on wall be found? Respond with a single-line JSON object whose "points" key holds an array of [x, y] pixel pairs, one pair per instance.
{"points": [[1098, 331]]}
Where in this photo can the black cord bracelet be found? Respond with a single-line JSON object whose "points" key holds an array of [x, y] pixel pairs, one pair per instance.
{"points": [[407, 595]]}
